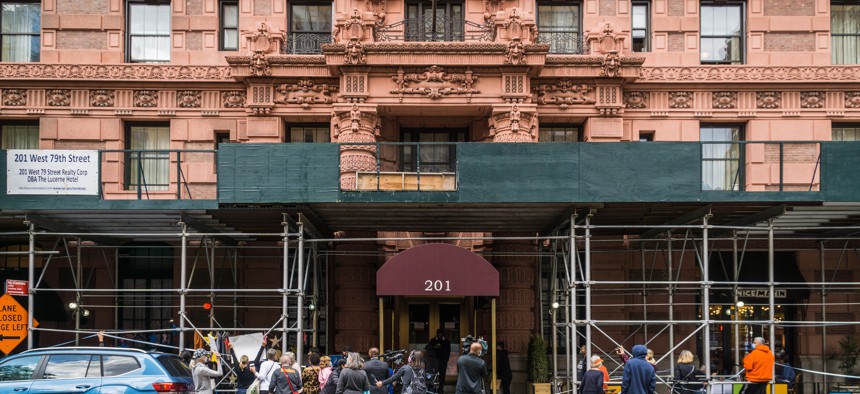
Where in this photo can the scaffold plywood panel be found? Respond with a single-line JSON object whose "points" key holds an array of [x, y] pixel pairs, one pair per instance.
{"points": [[840, 178]]}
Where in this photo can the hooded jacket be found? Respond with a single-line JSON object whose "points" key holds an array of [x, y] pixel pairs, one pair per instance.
{"points": [[639, 376], [758, 364]]}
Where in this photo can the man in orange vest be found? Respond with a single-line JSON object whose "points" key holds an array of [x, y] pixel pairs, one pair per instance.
{"points": [[758, 367]]}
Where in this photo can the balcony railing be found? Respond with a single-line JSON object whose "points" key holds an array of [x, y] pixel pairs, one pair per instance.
{"points": [[445, 29], [149, 171], [306, 43], [411, 166], [564, 42]]}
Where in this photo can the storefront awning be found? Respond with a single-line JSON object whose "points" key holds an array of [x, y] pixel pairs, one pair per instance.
{"points": [[437, 270]]}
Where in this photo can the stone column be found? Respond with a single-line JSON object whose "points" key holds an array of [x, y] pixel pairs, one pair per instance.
{"points": [[356, 322], [514, 123], [515, 314], [355, 123]]}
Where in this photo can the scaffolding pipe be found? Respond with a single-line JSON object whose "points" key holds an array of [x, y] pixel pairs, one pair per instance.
{"points": [[78, 285], [31, 274], [573, 349], [735, 328], [587, 364], [821, 262], [301, 294], [706, 295], [670, 263], [644, 293], [770, 299], [183, 284], [285, 280]]}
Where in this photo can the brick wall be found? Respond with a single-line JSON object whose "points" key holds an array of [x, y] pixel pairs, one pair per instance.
{"points": [[82, 6], [789, 42], [194, 41], [193, 7], [81, 40], [676, 7], [262, 7], [789, 7], [607, 8], [676, 42]]}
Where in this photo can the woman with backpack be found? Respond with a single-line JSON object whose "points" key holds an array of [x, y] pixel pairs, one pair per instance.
{"points": [[412, 375]]}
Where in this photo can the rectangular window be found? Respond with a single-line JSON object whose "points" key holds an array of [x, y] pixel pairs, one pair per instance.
{"points": [[148, 31], [721, 157], [144, 266], [309, 133], [849, 132], [640, 30], [845, 32], [310, 27], [646, 136], [21, 30], [20, 135], [230, 25], [722, 32], [147, 159], [560, 133], [437, 157], [448, 26], [559, 26]]}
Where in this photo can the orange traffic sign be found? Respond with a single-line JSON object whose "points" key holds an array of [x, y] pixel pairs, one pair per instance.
{"points": [[13, 323]]}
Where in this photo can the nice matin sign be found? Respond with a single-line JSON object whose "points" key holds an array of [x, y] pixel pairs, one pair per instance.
{"points": [[52, 172]]}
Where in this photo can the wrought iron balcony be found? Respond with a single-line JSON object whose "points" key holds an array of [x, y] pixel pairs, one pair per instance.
{"points": [[564, 42], [306, 43], [445, 29]]}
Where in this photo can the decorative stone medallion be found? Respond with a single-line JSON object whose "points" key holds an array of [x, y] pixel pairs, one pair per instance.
{"points": [[725, 100], [852, 99], [680, 99], [58, 97], [14, 97], [101, 98], [188, 99], [233, 99], [145, 98], [636, 99], [434, 83], [811, 99], [768, 100]]}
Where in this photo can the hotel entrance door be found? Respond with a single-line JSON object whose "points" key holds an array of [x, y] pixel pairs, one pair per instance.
{"points": [[420, 319]]}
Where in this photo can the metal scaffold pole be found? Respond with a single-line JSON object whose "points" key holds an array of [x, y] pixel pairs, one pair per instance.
{"points": [[285, 280], [706, 296], [736, 317], [588, 290], [183, 284], [300, 302], [823, 311], [31, 274], [78, 286], [770, 300], [572, 337], [670, 264]]}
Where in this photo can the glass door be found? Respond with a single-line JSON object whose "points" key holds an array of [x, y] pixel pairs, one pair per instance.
{"points": [[420, 320]]}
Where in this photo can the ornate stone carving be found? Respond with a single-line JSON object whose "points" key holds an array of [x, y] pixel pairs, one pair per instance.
{"points": [[750, 73], [355, 53], [260, 65], [305, 92], [514, 25], [146, 98], [233, 98], [377, 8], [812, 99], [680, 99], [14, 97], [603, 39], [57, 97], [435, 83], [188, 99], [852, 99], [564, 93], [101, 98], [724, 100], [122, 71], [353, 28], [636, 100], [611, 64], [515, 54], [514, 125], [768, 100], [264, 41]]}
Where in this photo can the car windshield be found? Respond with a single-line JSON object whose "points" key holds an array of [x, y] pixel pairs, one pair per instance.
{"points": [[174, 366]]}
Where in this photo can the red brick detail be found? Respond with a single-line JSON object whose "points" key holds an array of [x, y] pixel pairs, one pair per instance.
{"points": [[607, 8], [515, 311], [262, 7], [73, 7], [676, 42], [789, 7], [789, 42], [193, 7], [81, 40], [676, 7]]}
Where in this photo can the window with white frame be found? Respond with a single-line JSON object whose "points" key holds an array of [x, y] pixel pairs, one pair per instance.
{"points": [[846, 132], [640, 18], [722, 32], [147, 156], [721, 157], [230, 25], [559, 25], [148, 31], [20, 30], [845, 32]]}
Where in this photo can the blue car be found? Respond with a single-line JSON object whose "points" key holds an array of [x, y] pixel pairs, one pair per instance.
{"points": [[94, 370]]}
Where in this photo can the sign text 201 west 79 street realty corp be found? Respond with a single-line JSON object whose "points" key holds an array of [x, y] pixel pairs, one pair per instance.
{"points": [[68, 172]]}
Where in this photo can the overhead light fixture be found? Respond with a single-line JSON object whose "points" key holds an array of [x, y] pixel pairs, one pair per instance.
{"points": [[86, 312], [555, 305], [740, 304], [312, 307], [73, 305]]}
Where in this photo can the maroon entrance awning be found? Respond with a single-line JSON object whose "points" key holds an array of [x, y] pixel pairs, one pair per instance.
{"points": [[437, 269]]}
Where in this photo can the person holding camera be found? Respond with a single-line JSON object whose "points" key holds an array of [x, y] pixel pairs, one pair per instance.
{"points": [[202, 374]]}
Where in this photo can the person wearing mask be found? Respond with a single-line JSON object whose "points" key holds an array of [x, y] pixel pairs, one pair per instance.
{"points": [[441, 348], [639, 376], [311, 375], [758, 367], [267, 368], [353, 379], [472, 371], [377, 370], [202, 374], [503, 363], [287, 379], [684, 376], [593, 379], [405, 374]]}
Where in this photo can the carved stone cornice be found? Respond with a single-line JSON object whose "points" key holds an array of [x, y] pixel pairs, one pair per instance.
{"points": [[305, 93], [433, 47], [278, 59], [590, 60], [143, 72], [749, 73], [435, 83], [564, 93]]}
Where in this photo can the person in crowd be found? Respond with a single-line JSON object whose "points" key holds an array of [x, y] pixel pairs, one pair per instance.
{"points": [[684, 376], [597, 362], [472, 371], [353, 379], [267, 368], [758, 367], [377, 370], [413, 370], [593, 379], [331, 384], [325, 371], [649, 357], [503, 364], [639, 376], [311, 375], [580, 366], [441, 347], [287, 379], [202, 374], [785, 372], [186, 357], [245, 375]]}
